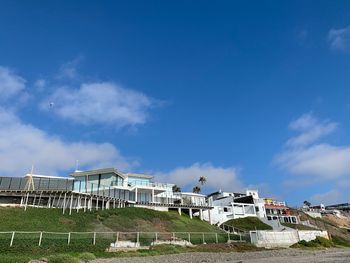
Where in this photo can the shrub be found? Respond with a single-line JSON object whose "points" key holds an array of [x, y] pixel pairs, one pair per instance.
{"points": [[86, 257]]}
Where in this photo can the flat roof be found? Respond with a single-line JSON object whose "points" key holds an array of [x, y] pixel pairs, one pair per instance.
{"points": [[98, 171], [145, 176]]}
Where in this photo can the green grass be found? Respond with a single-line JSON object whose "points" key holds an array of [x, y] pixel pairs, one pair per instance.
{"points": [[26, 247], [317, 243], [248, 223]]}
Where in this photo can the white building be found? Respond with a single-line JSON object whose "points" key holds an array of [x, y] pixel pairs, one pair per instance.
{"points": [[228, 205]]}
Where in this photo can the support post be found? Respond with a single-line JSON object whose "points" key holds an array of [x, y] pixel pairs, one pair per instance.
{"points": [[201, 214], [189, 237], [71, 203], [68, 240], [190, 212], [179, 210], [138, 237], [216, 238], [64, 202], [12, 238], [97, 203], [40, 238], [228, 237], [203, 238], [156, 236], [94, 240], [25, 207]]}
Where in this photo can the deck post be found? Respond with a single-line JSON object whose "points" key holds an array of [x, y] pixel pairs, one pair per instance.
{"points": [[25, 206], [190, 212], [64, 202], [85, 204], [71, 203]]}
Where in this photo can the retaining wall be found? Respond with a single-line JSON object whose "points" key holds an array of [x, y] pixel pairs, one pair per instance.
{"points": [[271, 239]]}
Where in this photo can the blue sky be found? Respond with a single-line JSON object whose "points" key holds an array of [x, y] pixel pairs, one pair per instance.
{"points": [[247, 93]]}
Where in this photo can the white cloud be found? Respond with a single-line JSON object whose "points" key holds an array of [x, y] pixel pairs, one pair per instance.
{"points": [[217, 177], [321, 160], [304, 157], [101, 103], [40, 84], [311, 130], [22, 145], [331, 197], [69, 69], [339, 39], [10, 84]]}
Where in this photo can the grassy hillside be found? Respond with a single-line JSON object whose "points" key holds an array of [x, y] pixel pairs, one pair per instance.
{"points": [[26, 247], [113, 220], [248, 223]]}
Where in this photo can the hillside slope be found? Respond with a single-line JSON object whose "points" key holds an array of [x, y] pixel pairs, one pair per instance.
{"points": [[113, 220]]}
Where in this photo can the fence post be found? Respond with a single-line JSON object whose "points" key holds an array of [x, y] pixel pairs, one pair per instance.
{"points": [[156, 236], [228, 237], [203, 238], [12, 237], [173, 236], [117, 237], [40, 238], [137, 237], [189, 237], [240, 237], [94, 240], [68, 241], [216, 238]]}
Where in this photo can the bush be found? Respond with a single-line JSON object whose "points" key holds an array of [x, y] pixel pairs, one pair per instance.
{"points": [[86, 257], [339, 241], [62, 258], [318, 242]]}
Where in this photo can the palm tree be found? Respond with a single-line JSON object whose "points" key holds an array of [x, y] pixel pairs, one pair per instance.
{"points": [[307, 203], [202, 180], [176, 189], [196, 190]]}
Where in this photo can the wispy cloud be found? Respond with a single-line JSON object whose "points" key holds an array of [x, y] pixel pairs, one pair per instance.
{"points": [[310, 130], [10, 84], [224, 178], [69, 70], [101, 103], [306, 157], [339, 39]]}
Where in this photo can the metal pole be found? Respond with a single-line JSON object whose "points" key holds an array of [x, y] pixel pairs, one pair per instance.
{"points": [[94, 241], [203, 238], [68, 241], [216, 237], [25, 207]]}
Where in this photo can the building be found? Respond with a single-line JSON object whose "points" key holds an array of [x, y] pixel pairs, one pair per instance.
{"points": [[276, 210], [229, 205], [97, 189]]}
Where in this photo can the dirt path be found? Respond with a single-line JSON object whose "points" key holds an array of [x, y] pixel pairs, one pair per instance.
{"points": [[272, 256]]}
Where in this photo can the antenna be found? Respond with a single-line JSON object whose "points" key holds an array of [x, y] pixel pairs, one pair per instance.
{"points": [[30, 182], [76, 165]]}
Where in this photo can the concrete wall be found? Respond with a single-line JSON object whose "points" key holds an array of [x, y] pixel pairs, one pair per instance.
{"points": [[270, 239]]}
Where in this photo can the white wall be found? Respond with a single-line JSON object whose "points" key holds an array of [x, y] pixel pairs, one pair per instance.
{"points": [[270, 239]]}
